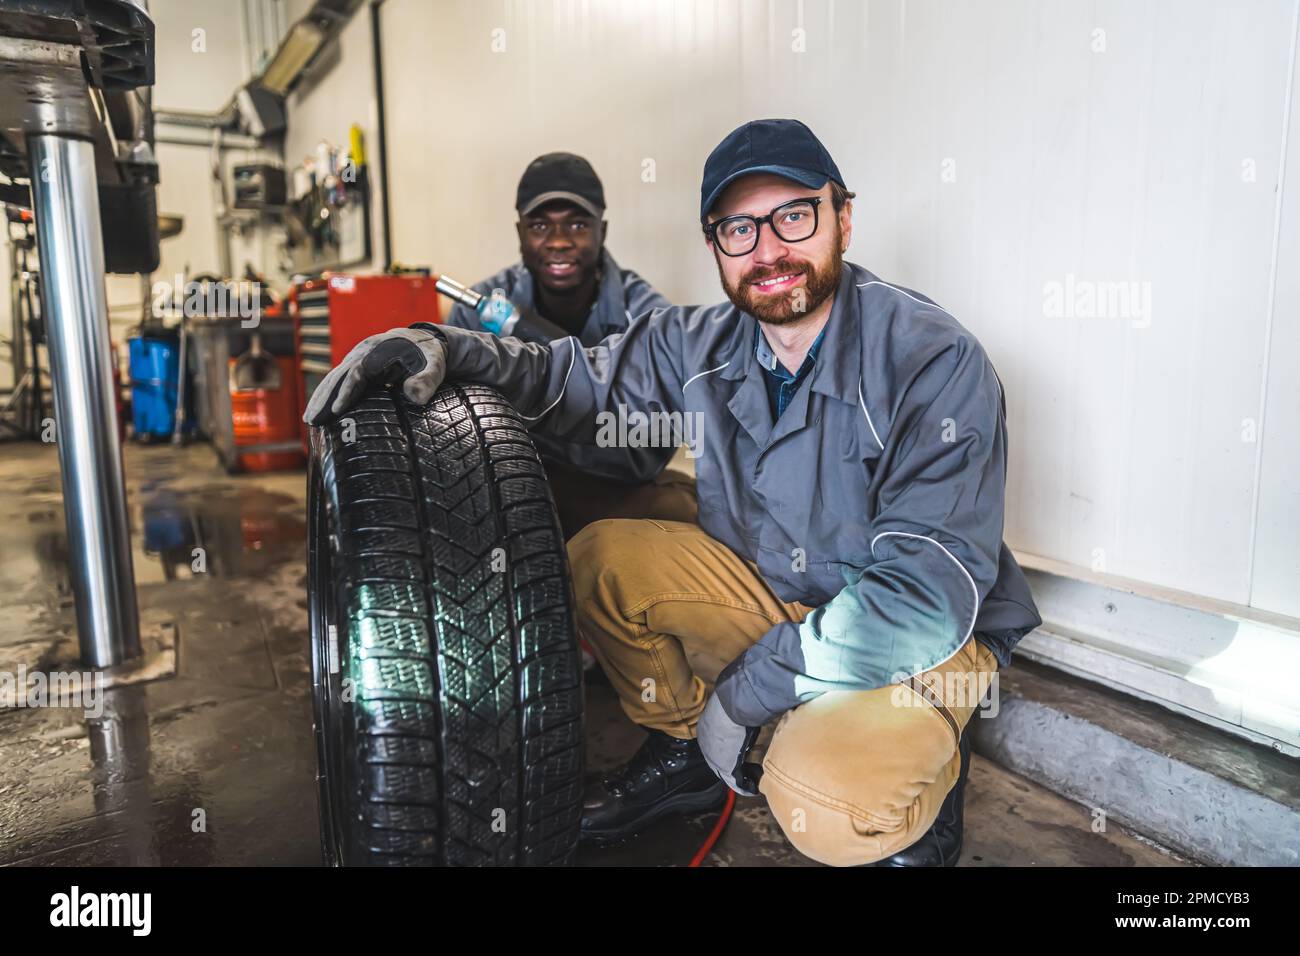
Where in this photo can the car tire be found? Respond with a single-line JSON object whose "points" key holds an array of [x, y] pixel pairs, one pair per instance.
{"points": [[446, 676]]}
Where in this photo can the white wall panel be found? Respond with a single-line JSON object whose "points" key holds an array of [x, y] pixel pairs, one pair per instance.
{"points": [[1276, 578], [197, 72], [1153, 159]]}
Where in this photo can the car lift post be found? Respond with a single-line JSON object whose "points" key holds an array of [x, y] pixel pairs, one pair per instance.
{"points": [[68, 231]]}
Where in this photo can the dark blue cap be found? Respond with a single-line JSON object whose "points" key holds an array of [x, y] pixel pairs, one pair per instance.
{"points": [[784, 147]]}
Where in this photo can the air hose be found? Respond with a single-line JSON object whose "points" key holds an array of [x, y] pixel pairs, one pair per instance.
{"points": [[723, 819]]}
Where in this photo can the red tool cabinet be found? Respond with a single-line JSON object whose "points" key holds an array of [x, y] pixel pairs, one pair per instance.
{"points": [[335, 312]]}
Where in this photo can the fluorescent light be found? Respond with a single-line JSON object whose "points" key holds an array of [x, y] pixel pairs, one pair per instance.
{"points": [[300, 45]]}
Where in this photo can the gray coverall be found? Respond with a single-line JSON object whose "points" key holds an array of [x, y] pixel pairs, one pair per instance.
{"points": [[623, 295]]}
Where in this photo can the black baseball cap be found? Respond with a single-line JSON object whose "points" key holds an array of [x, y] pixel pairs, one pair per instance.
{"points": [[784, 147], [560, 176]]}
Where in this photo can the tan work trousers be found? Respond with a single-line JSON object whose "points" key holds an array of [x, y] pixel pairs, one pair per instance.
{"points": [[852, 776]]}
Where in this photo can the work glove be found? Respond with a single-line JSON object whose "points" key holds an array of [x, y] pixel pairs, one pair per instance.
{"points": [[725, 745], [414, 358]]}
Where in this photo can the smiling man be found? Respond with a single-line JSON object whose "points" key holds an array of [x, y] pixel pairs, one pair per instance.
{"points": [[846, 582], [565, 272], [567, 276]]}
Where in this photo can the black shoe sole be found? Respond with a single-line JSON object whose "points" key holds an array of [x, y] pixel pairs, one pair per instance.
{"points": [[892, 862], [694, 801]]}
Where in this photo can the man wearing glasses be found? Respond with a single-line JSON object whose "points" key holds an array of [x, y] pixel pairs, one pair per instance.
{"points": [[846, 580]]}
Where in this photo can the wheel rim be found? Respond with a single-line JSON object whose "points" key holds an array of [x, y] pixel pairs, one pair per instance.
{"points": [[326, 687]]}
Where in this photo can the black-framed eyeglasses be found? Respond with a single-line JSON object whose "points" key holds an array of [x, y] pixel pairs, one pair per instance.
{"points": [[792, 221]]}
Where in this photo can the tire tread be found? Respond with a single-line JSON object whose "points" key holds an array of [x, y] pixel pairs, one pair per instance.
{"points": [[468, 681]]}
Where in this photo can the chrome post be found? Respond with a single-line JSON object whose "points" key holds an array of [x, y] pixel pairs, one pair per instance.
{"points": [[66, 208]]}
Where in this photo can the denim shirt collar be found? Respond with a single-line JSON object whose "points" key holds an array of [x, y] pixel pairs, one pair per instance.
{"points": [[768, 361]]}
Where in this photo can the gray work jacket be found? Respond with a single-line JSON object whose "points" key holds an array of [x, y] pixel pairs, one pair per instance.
{"points": [[623, 295], [877, 497]]}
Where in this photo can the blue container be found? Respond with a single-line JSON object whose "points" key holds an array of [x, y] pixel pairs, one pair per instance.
{"points": [[154, 366]]}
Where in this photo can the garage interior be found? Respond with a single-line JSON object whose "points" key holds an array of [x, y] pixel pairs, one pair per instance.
{"points": [[323, 162]]}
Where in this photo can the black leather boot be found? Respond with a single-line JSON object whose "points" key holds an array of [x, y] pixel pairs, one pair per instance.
{"points": [[941, 844], [664, 777]]}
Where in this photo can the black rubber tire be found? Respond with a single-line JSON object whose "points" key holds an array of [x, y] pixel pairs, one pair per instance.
{"points": [[439, 594]]}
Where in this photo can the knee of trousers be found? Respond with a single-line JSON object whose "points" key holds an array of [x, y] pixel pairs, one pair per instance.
{"points": [[612, 562], [600, 549], [851, 780]]}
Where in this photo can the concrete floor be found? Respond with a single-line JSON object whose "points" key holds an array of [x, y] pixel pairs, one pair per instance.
{"points": [[212, 762]]}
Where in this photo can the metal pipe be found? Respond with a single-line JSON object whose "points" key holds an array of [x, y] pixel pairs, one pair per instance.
{"points": [[18, 333], [183, 136], [225, 118], [178, 413], [29, 315], [220, 207], [377, 57], [245, 29], [75, 307], [266, 28]]}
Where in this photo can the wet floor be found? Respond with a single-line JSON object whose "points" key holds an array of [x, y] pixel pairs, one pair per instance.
{"points": [[211, 765], [214, 763]]}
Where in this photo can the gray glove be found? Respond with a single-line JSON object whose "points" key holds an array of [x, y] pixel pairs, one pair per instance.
{"points": [[725, 745], [415, 358]]}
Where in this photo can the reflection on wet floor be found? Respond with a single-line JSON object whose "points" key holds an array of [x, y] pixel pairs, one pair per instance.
{"points": [[220, 531], [215, 765]]}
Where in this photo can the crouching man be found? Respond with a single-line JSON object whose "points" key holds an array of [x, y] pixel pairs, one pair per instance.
{"points": [[846, 580]]}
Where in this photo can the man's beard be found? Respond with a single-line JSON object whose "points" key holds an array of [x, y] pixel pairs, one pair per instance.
{"points": [[819, 285]]}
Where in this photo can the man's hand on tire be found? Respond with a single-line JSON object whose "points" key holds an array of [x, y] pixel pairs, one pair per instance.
{"points": [[414, 358]]}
